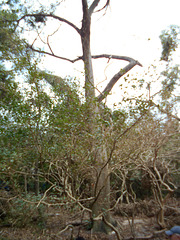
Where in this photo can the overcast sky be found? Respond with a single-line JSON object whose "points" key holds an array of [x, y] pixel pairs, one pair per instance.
{"points": [[129, 27]]}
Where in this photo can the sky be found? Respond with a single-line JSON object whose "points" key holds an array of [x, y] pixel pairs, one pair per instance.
{"points": [[128, 28]]}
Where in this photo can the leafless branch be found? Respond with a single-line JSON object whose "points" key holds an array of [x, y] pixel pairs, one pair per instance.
{"points": [[93, 6], [78, 202], [38, 35], [115, 78], [65, 229], [113, 228], [49, 45], [51, 54], [51, 16], [48, 39], [44, 195], [111, 56], [105, 6]]}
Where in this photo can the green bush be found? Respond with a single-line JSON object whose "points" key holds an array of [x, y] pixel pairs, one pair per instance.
{"points": [[21, 212]]}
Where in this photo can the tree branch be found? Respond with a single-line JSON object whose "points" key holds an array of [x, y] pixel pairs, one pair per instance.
{"points": [[81, 58], [93, 6], [116, 77], [164, 111], [54, 55], [112, 227], [109, 56], [52, 16], [105, 6]]}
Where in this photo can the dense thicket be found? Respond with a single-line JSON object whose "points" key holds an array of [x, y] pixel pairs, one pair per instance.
{"points": [[48, 155]]}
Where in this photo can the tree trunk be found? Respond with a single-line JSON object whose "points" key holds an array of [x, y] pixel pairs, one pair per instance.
{"points": [[101, 204], [102, 182]]}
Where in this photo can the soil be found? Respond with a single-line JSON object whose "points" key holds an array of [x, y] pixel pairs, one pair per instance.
{"points": [[68, 224]]}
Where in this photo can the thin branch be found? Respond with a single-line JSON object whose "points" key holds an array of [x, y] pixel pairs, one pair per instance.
{"points": [[50, 35], [105, 6], [111, 56], [166, 112], [112, 227], [52, 16], [44, 195], [65, 229], [129, 128], [52, 55], [108, 64], [77, 201], [40, 39], [49, 45], [38, 35]]}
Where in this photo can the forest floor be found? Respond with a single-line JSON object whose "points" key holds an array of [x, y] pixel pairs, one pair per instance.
{"points": [[68, 225]]}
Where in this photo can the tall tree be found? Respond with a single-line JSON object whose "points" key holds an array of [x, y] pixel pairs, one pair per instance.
{"points": [[100, 159]]}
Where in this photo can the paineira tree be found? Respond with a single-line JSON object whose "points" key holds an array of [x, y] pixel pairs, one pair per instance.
{"points": [[100, 174]]}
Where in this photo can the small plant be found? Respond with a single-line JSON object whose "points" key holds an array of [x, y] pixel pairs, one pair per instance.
{"points": [[22, 212]]}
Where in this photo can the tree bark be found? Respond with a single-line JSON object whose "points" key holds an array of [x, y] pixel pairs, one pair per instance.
{"points": [[85, 39], [102, 181]]}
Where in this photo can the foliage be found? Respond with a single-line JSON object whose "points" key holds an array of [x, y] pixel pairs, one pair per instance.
{"points": [[22, 212], [49, 136], [170, 83], [169, 40]]}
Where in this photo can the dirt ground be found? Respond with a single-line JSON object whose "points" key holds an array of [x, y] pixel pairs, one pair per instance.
{"points": [[66, 225]]}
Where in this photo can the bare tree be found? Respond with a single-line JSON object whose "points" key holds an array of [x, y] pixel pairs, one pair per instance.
{"points": [[101, 191]]}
